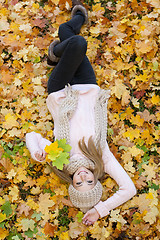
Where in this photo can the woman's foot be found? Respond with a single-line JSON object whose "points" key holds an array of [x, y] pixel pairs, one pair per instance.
{"points": [[76, 2], [78, 6], [52, 59]]}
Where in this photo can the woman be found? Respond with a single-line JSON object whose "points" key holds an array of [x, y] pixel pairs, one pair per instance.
{"points": [[79, 111]]}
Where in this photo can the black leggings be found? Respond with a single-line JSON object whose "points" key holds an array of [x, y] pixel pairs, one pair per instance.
{"points": [[73, 66]]}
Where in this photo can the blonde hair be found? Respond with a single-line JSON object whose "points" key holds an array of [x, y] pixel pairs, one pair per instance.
{"points": [[92, 153]]}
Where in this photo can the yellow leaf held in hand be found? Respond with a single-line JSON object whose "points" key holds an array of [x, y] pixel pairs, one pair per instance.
{"points": [[53, 147]]}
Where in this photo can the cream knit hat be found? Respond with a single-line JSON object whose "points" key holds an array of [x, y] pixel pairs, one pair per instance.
{"points": [[77, 161], [85, 200]]}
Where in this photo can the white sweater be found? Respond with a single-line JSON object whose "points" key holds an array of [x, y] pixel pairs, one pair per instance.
{"points": [[82, 124]]}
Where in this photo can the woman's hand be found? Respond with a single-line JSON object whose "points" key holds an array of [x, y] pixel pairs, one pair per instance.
{"points": [[40, 155], [90, 217]]}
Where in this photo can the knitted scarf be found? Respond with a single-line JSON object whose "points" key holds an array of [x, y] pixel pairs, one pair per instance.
{"points": [[68, 107]]}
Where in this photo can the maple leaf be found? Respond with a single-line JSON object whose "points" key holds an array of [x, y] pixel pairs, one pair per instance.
{"points": [[27, 224], [49, 229], [23, 208], [116, 217], [7, 209], [2, 217], [11, 174], [61, 160], [3, 233], [76, 229], [62, 144], [40, 22], [14, 192], [10, 121], [58, 153], [64, 236], [79, 216], [45, 203]]}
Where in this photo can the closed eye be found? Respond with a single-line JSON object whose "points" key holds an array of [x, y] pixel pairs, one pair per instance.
{"points": [[90, 181], [78, 183]]}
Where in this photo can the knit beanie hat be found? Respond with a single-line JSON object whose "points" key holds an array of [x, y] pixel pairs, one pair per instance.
{"points": [[85, 200], [77, 161]]}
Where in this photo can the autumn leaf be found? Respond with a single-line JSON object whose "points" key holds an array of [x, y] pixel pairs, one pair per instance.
{"points": [[49, 229], [27, 224], [7, 209], [79, 216], [58, 153]]}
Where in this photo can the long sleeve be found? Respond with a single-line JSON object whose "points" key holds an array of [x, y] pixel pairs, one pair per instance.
{"points": [[35, 142], [126, 187]]}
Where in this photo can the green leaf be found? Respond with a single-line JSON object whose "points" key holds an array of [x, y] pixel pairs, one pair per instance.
{"points": [[10, 145], [37, 216], [61, 160], [15, 238], [144, 148], [123, 148], [155, 66], [53, 155], [2, 225], [62, 144], [6, 207], [110, 131], [145, 158], [79, 216], [153, 186], [37, 59], [30, 233]]}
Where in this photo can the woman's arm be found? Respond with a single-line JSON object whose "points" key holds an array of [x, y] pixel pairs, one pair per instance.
{"points": [[126, 187], [36, 145]]}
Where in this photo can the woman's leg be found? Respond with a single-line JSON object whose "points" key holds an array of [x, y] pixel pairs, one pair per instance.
{"points": [[69, 62], [71, 50]]}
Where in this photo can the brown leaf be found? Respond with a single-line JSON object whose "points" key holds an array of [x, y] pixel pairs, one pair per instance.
{"points": [[141, 182], [40, 22], [139, 94], [6, 163], [49, 229]]}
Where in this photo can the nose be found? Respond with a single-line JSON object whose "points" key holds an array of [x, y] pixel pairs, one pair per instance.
{"points": [[83, 176]]}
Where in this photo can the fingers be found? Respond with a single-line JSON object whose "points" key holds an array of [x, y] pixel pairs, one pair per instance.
{"points": [[40, 155], [87, 222], [44, 154], [85, 217]]}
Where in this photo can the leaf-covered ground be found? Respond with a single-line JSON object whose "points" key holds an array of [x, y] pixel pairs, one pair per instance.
{"points": [[123, 46]]}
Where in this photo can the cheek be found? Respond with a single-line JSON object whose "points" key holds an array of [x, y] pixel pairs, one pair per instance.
{"points": [[75, 179]]}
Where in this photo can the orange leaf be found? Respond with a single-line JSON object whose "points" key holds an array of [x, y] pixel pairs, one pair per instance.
{"points": [[49, 229], [3, 233]]}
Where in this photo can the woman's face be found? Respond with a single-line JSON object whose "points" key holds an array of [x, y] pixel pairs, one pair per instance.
{"points": [[83, 179]]}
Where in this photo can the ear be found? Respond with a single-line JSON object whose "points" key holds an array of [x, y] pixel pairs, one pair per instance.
{"points": [[67, 202]]}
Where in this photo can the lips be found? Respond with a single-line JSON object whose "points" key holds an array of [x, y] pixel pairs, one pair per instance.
{"points": [[82, 172]]}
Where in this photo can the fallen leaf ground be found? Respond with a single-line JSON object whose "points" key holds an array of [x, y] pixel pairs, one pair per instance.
{"points": [[123, 46]]}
